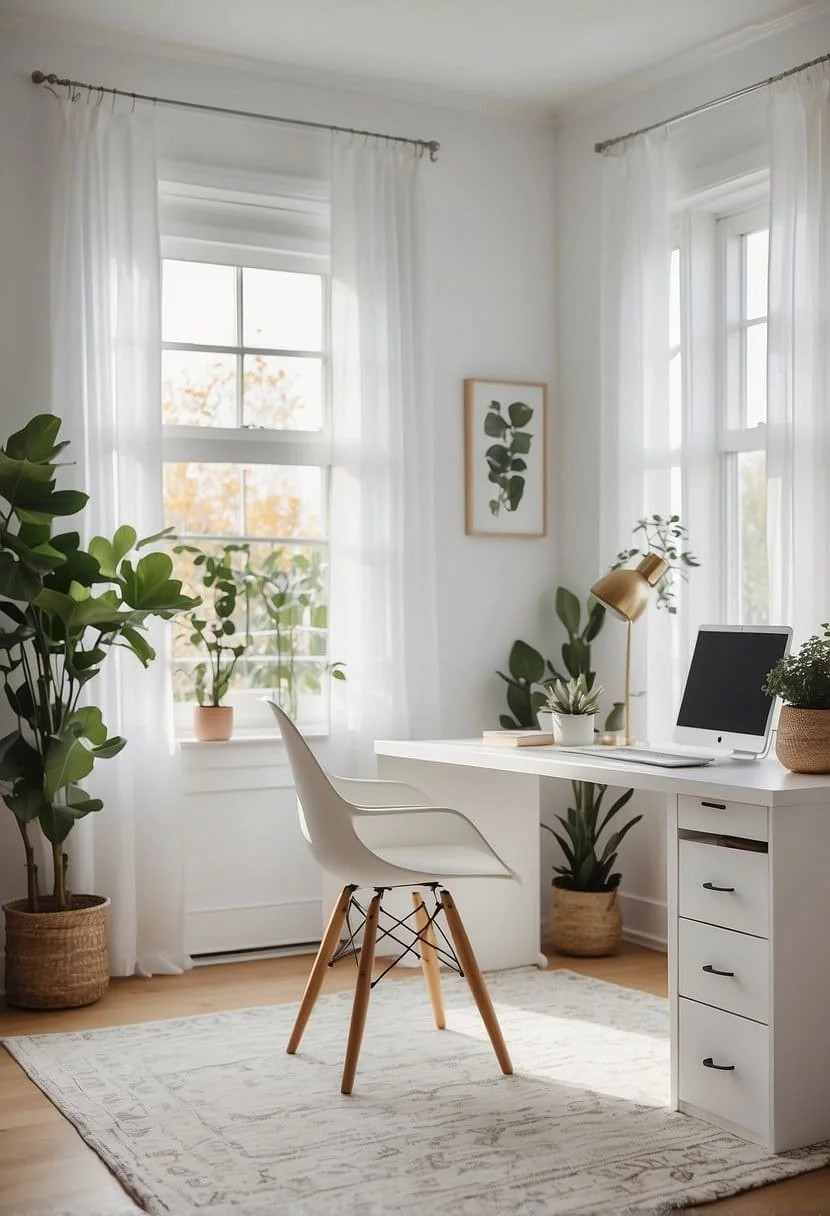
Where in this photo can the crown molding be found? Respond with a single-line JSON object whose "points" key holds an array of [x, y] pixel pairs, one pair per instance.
{"points": [[699, 56], [15, 22]]}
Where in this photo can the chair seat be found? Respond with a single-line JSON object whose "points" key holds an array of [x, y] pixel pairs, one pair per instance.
{"points": [[442, 860]]}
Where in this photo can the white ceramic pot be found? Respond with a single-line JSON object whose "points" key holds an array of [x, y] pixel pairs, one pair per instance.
{"points": [[573, 730]]}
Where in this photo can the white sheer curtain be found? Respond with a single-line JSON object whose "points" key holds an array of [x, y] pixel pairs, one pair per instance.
{"points": [[382, 567], [106, 377], [635, 476], [798, 411]]}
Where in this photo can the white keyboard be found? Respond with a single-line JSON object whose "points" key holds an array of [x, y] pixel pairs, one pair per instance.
{"points": [[646, 755]]}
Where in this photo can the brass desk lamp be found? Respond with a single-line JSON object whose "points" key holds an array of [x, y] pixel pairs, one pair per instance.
{"points": [[625, 594]]}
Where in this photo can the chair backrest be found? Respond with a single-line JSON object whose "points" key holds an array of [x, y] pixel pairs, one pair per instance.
{"points": [[325, 817]]}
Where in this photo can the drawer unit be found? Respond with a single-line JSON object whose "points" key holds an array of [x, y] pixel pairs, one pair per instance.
{"points": [[722, 818], [722, 968], [724, 886], [724, 1067]]}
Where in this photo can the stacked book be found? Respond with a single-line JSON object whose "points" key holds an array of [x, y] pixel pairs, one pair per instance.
{"points": [[517, 738]]}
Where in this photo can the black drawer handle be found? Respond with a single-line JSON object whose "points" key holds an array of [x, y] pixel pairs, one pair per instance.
{"points": [[710, 886], [710, 970], [716, 806], [710, 1063]]}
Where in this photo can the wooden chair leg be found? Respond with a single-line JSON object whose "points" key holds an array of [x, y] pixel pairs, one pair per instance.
{"points": [[363, 988], [429, 959], [476, 981], [328, 946]]}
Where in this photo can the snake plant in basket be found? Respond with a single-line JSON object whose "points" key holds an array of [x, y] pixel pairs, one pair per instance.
{"points": [[66, 610], [585, 917]]}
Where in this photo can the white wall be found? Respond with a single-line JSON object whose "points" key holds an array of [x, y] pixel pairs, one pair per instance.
{"points": [[709, 148], [489, 300]]}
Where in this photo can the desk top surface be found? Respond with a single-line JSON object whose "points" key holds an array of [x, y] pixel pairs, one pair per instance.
{"points": [[756, 781]]}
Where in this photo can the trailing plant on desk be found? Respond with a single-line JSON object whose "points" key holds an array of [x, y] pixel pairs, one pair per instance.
{"points": [[589, 864], [69, 609], [666, 537]]}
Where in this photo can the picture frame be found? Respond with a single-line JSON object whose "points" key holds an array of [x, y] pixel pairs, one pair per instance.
{"points": [[505, 457]]}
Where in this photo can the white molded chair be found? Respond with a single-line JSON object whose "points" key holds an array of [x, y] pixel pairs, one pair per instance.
{"points": [[343, 821]]}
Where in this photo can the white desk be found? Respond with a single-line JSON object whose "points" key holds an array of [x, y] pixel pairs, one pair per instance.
{"points": [[766, 1023]]}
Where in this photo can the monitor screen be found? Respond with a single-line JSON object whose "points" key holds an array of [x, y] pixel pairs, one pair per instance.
{"points": [[723, 701]]}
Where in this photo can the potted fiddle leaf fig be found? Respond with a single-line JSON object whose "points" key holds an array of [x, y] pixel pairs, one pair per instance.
{"points": [[66, 609], [225, 581]]}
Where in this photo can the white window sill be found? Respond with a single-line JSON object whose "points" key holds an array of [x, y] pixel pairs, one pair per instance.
{"points": [[243, 736]]}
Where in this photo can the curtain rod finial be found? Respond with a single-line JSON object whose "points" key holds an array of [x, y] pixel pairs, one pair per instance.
{"points": [[434, 148], [38, 77]]}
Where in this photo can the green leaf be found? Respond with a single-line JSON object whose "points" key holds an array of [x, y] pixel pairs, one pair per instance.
{"points": [[497, 457], [22, 482], [515, 490], [139, 645], [114, 745], [26, 803], [494, 424], [42, 558], [525, 663], [67, 762], [87, 723], [521, 443], [36, 441], [60, 502], [596, 619], [17, 580], [520, 413], [19, 761], [568, 610]]}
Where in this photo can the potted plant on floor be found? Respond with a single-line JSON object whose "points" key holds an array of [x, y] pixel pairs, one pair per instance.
{"points": [[585, 916], [802, 680], [572, 709], [225, 583], [68, 609]]}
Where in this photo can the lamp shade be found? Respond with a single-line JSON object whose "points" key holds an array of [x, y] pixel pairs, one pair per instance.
{"points": [[625, 592]]}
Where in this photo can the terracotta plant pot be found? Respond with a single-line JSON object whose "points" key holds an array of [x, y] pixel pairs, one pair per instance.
{"points": [[585, 923], [802, 743], [212, 723], [56, 960]]}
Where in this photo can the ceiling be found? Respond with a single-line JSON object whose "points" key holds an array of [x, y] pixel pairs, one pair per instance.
{"points": [[531, 54]]}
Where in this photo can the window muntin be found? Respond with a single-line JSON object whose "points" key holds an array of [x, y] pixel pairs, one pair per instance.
{"points": [[245, 408]]}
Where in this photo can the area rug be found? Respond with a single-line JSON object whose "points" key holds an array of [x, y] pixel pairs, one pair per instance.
{"points": [[208, 1114]]}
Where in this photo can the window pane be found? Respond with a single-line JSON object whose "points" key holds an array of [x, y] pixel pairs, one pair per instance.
{"points": [[674, 299], [283, 393], [244, 500], [203, 499], [752, 497], [198, 388], [198, 303], [756, 374], [282, 309], [284, 623], [283, 502], [756, 251]]}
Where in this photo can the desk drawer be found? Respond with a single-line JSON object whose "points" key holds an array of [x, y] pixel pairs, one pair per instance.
{"points": [[723, 886], [738, 1091], [719, 817], [746, 990]]}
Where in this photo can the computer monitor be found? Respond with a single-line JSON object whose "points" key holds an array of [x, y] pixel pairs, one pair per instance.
{"points": [[723, 705]]}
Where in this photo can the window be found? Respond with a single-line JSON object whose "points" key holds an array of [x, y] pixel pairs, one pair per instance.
{"points": [[718, 399], [245, 404]]}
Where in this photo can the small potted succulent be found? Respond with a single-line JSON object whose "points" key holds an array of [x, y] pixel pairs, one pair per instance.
{"points": [[573, 708], [802, 680], [585, 916], [212, 628]]}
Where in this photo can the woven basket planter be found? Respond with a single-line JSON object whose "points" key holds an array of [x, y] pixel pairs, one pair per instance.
{"points": [[56, 960], [585, 923], [802, 743]]}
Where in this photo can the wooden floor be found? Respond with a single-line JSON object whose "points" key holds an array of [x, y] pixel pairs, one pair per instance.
{"points": [[46, 1168]]}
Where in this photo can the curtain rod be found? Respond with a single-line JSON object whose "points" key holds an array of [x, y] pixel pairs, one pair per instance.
{"points": [[49, 79], [709, 105]]}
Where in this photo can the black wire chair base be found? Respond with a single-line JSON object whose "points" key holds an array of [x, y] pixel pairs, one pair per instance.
{"points": [[389, 926]]}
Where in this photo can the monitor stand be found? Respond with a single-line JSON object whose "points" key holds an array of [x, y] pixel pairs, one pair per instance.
{"points": [[739, 754]]}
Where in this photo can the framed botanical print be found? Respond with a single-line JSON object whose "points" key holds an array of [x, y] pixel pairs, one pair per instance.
{"points": [[505, 446]]}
